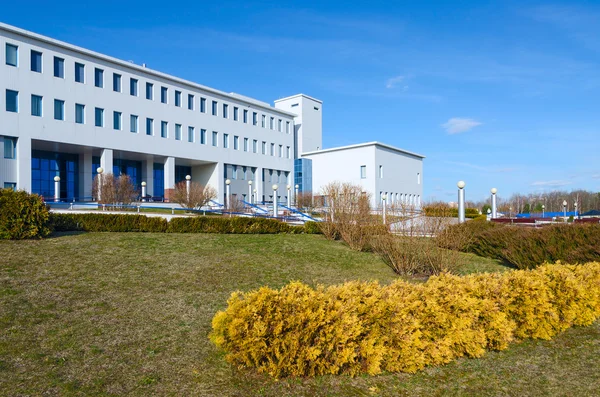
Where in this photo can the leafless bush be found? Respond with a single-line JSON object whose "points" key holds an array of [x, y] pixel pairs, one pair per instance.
{"points": [[349, 215], [117, 191], [304, 201], [198, 196], [414, 255]]}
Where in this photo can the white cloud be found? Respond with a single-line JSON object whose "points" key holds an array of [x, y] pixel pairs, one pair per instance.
{"points": [[457, 125], [553, 183], [394, 81]]}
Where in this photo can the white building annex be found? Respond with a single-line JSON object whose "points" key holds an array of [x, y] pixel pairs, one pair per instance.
{"points": [[65, 111]]}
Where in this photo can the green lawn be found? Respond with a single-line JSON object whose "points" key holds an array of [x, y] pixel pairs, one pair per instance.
{"points": [[114, 314]]}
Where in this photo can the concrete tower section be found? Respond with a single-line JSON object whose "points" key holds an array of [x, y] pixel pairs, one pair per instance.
{"points": [[308, 131]]}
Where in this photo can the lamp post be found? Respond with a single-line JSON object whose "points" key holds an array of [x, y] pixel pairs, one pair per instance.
{"points": [[250, 192], [143, 191], [227, 198], [289, 195], [99, 170], [461, 201], [384, 199], [543, 211], [255, 196], [494, 206], [275, 210], [575, 209], [565, 208], [296, 194], [188, 183], [489, 214], [57, 188]]}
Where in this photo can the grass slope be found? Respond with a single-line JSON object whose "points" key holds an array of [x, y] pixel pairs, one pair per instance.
{"points": [[113, 314]]}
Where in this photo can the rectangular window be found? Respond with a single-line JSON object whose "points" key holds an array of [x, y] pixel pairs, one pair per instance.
{"points": [[79, 113], [203, 105], [12, 101], [99, 117], [133, 87], [225, 111], [279, 124], [36, 61], [272, 123], [363, 172], [245, 116], [99, 78], [236, 142], [263, 122], [234, 172], [246, 144], [59, 67], [164, 129], [214, 108], [133, 123], [12, 55], [190, 134], [10, 185], [10, 148], [254, 118], [149, 126], [418, 178], [190, 102], [178, 98], [288, 152], [203, 137], [254, 146], [381, 171], [281, 151], [177, 132], [235, 114], [36, 105], [272, 149], [215, 138], [116, 82], [164, 93], [287, 127], [117, 120], [226, 141], [59, 109], [79, 73], [149, 91], [264, 147]]}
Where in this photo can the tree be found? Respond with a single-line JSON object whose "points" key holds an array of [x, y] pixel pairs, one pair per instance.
{"points": [[116, 191], [485, 208], [304, 201], [198, 196]]}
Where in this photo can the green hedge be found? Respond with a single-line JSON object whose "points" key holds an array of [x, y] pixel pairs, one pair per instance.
{"points": [[362, 327], [525, 247], [199, 224], [22, 215]]}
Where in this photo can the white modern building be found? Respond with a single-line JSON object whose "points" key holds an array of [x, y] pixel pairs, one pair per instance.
{"points": [[67, 111], [380, 169]]}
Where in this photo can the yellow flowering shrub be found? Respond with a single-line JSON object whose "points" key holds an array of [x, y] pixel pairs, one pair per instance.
{"points": [[363, 327]]}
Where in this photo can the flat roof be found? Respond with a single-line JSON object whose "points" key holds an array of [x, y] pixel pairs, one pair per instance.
{"points": [[139, 68], [360, 145], [298, 95]]}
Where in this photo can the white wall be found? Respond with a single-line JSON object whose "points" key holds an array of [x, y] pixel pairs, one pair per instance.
{"points": [[87, 136], [308, 123]]}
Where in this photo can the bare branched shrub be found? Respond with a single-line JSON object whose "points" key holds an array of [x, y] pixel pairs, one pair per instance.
{"points": [[198, 196], [305, 202], [234, 204], [414, 255], [349, 215], [117, 191]]}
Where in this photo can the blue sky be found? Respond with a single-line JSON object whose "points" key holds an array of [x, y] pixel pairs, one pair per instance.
{"points": [[501, 94]]}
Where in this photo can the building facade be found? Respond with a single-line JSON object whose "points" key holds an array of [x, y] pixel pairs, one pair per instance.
{"points": [[65, 111], [380, 169]]}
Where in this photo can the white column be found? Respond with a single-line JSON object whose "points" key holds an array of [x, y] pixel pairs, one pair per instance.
{"points": [[275, 209], [148, 175], [169, 175], [494, 206], [461, 202], [258, 184], [85, 176], [106, 161], [57, 188], [24, 164]]}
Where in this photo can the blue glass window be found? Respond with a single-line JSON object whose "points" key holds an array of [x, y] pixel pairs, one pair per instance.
{"points": [[99, 78], [36, 105], [79, 72], [59, 67], [36, 61], [79, 113], [12, 101], [12, 54], [59, 109]]}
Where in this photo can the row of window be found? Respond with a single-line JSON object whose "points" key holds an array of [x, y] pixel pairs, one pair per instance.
{"points": [[401, 198], [12, 105], [12, 59], [363, 173]]}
